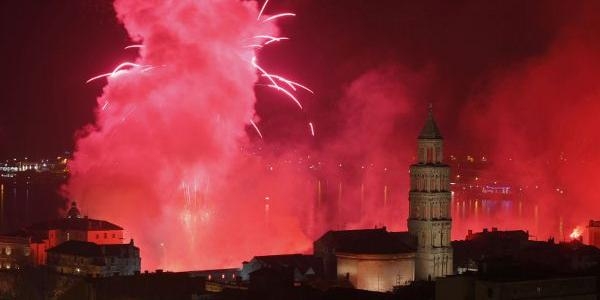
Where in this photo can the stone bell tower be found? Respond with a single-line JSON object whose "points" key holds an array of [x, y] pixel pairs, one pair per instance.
{"points": [[429, 204]]}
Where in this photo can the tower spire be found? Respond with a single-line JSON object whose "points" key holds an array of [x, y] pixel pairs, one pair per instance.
{"points": [[430, 130]]}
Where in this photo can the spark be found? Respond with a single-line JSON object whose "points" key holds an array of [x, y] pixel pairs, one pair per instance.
{"points": [[286, 92], [254, 64], [277, 16], [262, 9], [105, 105], [277, 39], [98, 77], [312, 128], [271, 39], [256, 128], [115, 71], [291, 84], [274, 84], [133, 46]]}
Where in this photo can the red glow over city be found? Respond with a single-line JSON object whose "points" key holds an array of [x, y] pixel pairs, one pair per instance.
{"points": [[178, 155]]}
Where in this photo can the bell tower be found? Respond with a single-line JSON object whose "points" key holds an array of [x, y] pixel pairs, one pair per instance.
{"points": [[429, 205]]}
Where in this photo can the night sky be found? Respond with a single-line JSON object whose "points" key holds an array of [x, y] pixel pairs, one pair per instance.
{"points": [[514, 88], [50, 48]]}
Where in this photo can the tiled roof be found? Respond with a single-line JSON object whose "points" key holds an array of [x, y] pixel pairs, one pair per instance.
{"points": [[88, 249], [299, 261], [430, 129], [83, 224], [369, 241]]}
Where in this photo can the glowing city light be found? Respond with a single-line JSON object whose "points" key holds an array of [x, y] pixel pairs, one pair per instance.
{"points": [[576, 233]]}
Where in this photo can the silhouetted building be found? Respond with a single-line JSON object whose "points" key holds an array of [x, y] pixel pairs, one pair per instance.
{"points": [[473, 287], [548, 255], [90, 259], [594, 233], [300, 267], [218, 275]]}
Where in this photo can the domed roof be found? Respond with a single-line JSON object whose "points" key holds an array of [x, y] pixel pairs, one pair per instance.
{"points": [[73, 211]]}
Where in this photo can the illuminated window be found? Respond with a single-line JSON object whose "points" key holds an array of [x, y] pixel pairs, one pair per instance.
{"points": [[222, 276], [8, 250]]}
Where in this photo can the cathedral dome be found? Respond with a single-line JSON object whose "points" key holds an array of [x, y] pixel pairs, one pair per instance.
{"points": [[73, 212]]}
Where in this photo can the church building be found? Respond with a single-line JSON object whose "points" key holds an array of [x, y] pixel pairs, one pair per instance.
{"points": [[378, 260]]}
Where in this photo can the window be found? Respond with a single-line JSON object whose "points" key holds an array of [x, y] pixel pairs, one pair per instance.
{"points": [[114, 236], [429, 155], [105, 235], [97, 236]]}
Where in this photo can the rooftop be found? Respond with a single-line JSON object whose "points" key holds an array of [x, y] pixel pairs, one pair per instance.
{"points": [[83, 224], [88, 249], [302, 262], [369, 241]]}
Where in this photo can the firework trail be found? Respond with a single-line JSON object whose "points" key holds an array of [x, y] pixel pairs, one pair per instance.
{"points": [[256, 128], [118, 70]]}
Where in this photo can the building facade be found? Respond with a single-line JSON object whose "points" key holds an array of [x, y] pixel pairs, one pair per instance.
{"points": [[594, 233], [429, 205], [368, 259], [15, 252], [90, 259], [377, 272], [73, 227]]}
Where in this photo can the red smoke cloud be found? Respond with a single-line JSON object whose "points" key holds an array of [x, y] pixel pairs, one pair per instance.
{"points": [[539, 123], [165, 137], [164, 161]]}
